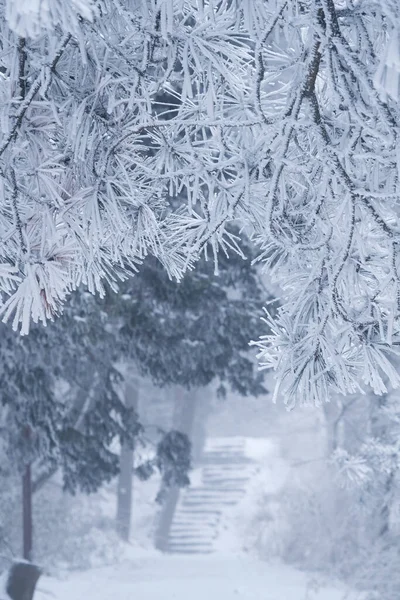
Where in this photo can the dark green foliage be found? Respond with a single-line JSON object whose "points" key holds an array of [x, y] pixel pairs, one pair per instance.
{"points": [[198, 330], [73, 430], [59, 383], [85, 452], [172, 460]]}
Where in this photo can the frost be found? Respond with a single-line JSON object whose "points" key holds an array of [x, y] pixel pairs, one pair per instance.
{"points": [[135, 128], [29, 18]]}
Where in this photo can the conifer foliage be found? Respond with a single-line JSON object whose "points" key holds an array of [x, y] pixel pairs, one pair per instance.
{"points": [[273, 113], [60, 384]]}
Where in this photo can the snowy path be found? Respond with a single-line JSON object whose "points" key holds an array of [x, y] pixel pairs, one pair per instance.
{"points": [[164, 577], [226, 574]]}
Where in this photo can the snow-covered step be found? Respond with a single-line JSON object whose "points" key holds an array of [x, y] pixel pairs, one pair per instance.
{"points": [[229, 441], [225, 471], [193, 524], [184, 519], [227, 484], [195, 550], [211, 479], [227, 480], [209, 502], [192, 535], [189, 543], [196, 511], [231, 450], [236, 475], [233, 455], [207, 498], [217, 497], [198, 536], [192, 528], [222, 457], [187, 511], [234, 471], [227, 467], [218, 492], [213, 502], [213, 490], [231, 469]]}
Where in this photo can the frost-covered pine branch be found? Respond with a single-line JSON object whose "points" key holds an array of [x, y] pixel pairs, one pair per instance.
{"points": [[131, 128]]}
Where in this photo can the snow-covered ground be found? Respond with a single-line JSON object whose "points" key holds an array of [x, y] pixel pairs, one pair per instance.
{"points": [[163, 577], [228, 574], [289, 449]]}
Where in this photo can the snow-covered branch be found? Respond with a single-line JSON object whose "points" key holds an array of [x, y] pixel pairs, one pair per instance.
{"points": [[148, 128]]}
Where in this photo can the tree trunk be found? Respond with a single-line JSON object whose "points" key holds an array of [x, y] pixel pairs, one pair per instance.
{"points": [[184, 421], [333, 414], [125, 480], [201, 409], [27, 513], [165, 519]]}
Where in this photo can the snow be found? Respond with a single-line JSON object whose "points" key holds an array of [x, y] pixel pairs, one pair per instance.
{"points": [[230, 573], [3, 584], [258, 448], [267, 480], [182, 578]]}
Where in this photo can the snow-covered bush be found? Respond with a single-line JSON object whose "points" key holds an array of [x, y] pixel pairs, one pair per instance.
{"points": [[70, 532], [338, 512], [10, 519], [74, 532], [321, 526]]}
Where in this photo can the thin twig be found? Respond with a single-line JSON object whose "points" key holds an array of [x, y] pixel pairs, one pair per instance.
{"points": [[31, 95]]}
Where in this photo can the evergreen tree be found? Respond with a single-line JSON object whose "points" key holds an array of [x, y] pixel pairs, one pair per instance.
{"points": [[60, 383]]}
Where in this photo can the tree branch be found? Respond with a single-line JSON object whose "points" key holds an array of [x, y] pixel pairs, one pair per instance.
{"points": [[21, 66], [27, 101]]}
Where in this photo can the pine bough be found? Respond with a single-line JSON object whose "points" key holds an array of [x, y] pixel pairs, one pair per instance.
{"points": [[135, 127]]}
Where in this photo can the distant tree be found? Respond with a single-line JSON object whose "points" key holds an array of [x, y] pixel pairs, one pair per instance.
{"points": [[196, 331], [285, 119], [61, 382]]}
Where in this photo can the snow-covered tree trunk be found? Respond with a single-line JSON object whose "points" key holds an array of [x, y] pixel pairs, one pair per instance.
{"points": [[381, 430], [201, 400], [332, 413], [125, 479], [27, 524], [184, 417]]}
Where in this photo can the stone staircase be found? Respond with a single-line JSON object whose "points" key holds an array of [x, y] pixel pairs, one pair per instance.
{"points": [[220, 484]]}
